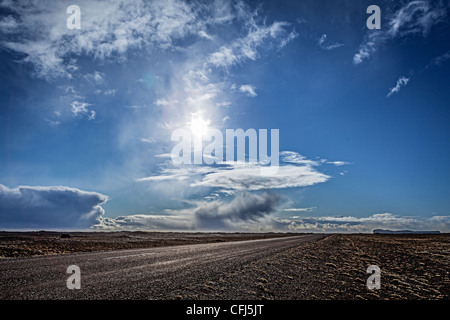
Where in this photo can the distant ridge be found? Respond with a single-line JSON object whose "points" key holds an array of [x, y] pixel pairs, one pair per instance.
{"points": [[381, 231]]}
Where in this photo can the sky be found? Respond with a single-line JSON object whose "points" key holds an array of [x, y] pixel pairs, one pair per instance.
{"points": [[87, 115]]}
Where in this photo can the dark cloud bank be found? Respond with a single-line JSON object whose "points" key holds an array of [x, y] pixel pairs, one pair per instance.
{"points": [[58, 207], [49, 207]]}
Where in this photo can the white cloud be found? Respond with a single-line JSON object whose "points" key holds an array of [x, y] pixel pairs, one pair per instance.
{"points": [[299, 209], [292, 35], [364, 224], [79, 108], [223, 58], [135, 106], [161, 102], [246, 48], [248, 90], [49, 207], [440, 59], [296, 171], [252, 212], [415, 17], [203, 34], [53, 123], [249, 177], [109, 29], [149, 140], [365, 50], [339, 163], [145, 222], [8, 23], [296, 158], [401, 82], [323, 43], [225, 104], [110, 92], [95, 78], [92, 115]]}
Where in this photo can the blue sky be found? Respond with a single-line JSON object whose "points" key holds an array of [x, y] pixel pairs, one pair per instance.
{"points": [[86, 116]]}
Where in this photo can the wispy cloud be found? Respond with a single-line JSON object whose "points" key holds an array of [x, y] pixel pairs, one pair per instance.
{"points": [[324, 43], [296, 158], [53, 123], [80, 108], [246, 48], [339, 163], [92, 115], [146, 222], [95, 78], [439, 60], [300, 209], [401, 82], [416, 17], [109, 30]]}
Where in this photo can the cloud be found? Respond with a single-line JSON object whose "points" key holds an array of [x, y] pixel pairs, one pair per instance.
{"points": [[246, 48], [92, 115], [258, 212], [299, 209], [53, 123], [110, 92], [203, 34], [440, 59], [161, 102], [245, 211], [248, 90], [401, 82], [145, 222], [296, 158], [295, 171], [416, 17], [109, 30], [249, 177], [8, 23], [95, 78], [322, 42], [114, 30], [339, 163], [244, 208], [49, 208], [80, 108], [362, 224]]}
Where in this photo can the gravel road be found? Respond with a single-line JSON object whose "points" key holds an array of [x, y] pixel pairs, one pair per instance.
{"points": [[154, 273]]}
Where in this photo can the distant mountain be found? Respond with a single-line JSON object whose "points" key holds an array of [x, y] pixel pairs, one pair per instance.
{"points": [[381, 231]]}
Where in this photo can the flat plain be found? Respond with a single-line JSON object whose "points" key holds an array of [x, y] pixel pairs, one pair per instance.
{"points": [[224, 266]]}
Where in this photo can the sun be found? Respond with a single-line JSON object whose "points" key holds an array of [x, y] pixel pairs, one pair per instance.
{"points": [[198, 125]]}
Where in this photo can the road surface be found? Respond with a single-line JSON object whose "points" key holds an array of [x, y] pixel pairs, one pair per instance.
{"points": [[154, 273]]}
